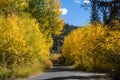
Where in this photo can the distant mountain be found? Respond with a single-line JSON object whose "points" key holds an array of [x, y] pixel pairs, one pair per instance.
{"points": [[67, 29]]}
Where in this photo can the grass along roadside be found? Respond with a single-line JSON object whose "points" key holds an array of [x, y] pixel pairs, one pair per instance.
{"points": [[21, 72]]}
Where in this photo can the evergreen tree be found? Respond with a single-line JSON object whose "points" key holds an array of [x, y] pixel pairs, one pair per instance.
{"points": [[111, 10], [94, 12]]}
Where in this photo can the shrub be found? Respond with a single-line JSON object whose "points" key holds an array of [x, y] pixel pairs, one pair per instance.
{"points": [[22, 45], [93, 48]]}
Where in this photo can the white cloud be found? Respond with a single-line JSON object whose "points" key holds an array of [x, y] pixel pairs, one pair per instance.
{"points": [[64, 11], [86, 1], [77, 1]]}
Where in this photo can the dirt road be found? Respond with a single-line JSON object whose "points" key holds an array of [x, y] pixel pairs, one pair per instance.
{"points": [[66, 73]]}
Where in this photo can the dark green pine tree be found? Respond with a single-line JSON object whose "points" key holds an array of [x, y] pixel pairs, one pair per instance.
{"points": [[94, 12], [110, 10]]}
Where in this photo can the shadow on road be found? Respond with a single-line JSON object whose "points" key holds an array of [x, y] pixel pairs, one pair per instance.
{"points": [[62, 68], [76, 77], [57, 68], [62, 72]]}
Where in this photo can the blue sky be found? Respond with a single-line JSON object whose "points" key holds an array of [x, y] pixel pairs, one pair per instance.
{"points": [[73, 13]]}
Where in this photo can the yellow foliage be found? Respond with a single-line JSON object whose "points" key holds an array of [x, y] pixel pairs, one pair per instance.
{"points": [[7, 7], [22, 43], [92, 48]]}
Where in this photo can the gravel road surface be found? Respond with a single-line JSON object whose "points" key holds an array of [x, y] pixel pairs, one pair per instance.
{"points": [[66, 73]]}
